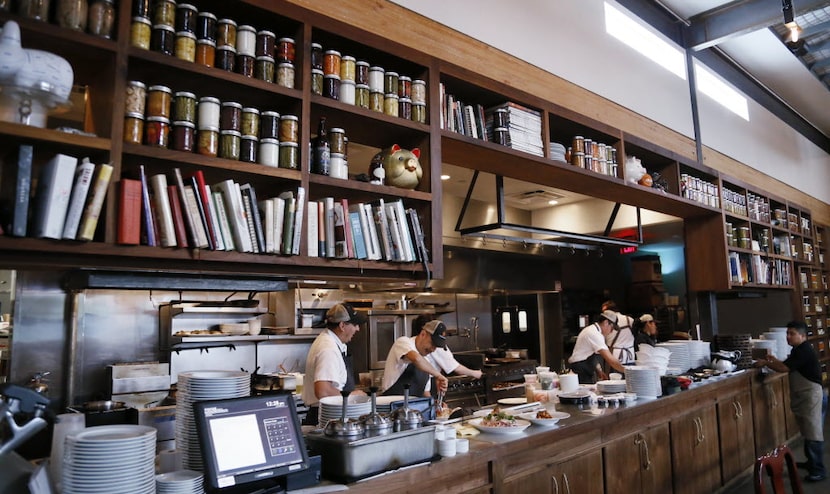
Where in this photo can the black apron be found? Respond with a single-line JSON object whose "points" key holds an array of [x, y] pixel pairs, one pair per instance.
{"points": [[586, 369], [415, 377], [313, 414]]}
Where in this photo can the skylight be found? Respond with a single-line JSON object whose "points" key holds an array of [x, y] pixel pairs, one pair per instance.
{"points": [[710, 85], [632, 33]]}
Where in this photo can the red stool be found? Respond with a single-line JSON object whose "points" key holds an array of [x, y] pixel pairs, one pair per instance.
{"points": [[773, 464]]}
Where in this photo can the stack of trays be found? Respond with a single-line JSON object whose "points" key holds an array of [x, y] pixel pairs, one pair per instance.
{"points": [[645, 381]]}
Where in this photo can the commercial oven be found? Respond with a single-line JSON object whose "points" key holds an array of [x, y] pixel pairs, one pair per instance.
{"points": [[384, 327]]}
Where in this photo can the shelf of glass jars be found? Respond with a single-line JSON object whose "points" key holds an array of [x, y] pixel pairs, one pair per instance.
{"points": [[40, 35], [661, 166]]}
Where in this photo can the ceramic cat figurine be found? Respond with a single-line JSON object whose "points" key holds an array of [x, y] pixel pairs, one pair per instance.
{"points": [[396, 166]]}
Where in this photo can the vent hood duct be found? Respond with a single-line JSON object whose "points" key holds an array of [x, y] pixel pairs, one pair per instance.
{"points": [[556, 238], [81, 279], [487, 272]]}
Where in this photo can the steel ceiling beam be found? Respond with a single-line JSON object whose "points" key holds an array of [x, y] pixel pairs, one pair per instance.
{"points": [[715, 26], [815, 29]]}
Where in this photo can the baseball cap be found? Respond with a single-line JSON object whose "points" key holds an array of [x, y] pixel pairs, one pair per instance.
{"points": [[609, 315], [344, 313], [437, 329], [646, 318]]}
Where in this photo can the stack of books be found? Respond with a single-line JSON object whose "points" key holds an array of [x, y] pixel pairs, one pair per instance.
{"points": [[524, 127]]}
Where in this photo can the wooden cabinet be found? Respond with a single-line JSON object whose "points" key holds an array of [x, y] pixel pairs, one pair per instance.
{"points": [[639, 462], [813, 298], [768, 411], [735, 430], [695, 451], [580, 474]]}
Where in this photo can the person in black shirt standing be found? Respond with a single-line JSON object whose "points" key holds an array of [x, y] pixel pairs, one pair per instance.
{"points": [[647, 333], [807, 398]]}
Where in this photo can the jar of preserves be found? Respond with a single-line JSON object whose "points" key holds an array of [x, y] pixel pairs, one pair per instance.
{"points": [[361, 95], [266, 42], [376, 101], [208, 144], [405, 108], [136, 93], [339, 166], [206, 26], [348, 68], [229, 142], [230, 116], [317, 81], [390, 83], [269, 125], [285, 74], [158, 101], [140, 8], [205, 52], [245, 64], [331, 63], [347, 92], [33, 9], [331, 86], [184, 107], [289, 129], [390, 104], [208, 113], [225, 58], [157, 132], [186, 46], [264, 69], [226, 33], [163, 39], [289, 155], [140, 32], [419, 112], [337, 139], [246, 40], [419, 91], [186, 18], [184, 135], [376, 79], [248, 149], [269, 152], [405, 87], [164, 13], [101, 18], [316, 56], [133, 128], [361, 72], [285, 50], [250, 122], [72, 14]]}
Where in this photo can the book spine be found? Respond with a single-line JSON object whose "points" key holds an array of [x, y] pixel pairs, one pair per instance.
{"points": [[382, 226], [164, 217], [210, 232], [394, 233], [266, 211], [357, 231], [340, 249], [178, 219], [247, 204], [288, 226], [224, 225], [321, 229], [298, 221], [406, 238], [211, 205], [53, 190], [201, 214], [329, 223], [347, 227], [129, 212], [312, 232], [279, 223], [257, 219], [22, 191], [192, 206], [83, 178], [146, 209], [187, 211], [95, 202], [374, 240]]}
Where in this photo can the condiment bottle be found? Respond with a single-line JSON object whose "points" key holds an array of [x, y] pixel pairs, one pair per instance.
{"points": [[321, 150]]}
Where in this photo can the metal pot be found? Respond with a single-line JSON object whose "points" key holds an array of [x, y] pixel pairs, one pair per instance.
{"points": [[103, 406]]}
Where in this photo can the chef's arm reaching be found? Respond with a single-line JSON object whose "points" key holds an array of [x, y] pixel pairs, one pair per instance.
{"points": [[612, 360], [773, 363]]}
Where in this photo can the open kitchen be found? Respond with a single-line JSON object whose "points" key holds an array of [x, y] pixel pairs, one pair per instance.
{"points": [[490, 208]]}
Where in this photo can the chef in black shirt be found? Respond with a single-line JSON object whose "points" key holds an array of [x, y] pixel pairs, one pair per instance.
{"points": [[807, 398]]}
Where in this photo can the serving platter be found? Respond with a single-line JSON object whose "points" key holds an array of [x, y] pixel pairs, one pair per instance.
{"points": [[556, 417], [515, 429]]}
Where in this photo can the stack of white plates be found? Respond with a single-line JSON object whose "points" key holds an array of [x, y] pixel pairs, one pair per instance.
{"points": [[180, 482], [653, 356], [679, 357], [782, 348], [331, 408], [110, 458], [611, 386], [699, 352], [557, 151], [645, 381], [200, 386]]}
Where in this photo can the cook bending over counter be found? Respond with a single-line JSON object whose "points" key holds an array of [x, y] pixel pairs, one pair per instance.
{"points": [[406, 363], [590, 348]]}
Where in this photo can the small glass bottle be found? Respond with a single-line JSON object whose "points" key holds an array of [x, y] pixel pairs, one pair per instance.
{"points": [[321, 150], [101, 18]]}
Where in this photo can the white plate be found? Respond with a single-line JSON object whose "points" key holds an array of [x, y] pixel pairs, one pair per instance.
{"points": [[519, 427], [557, 416], [512, 401]]}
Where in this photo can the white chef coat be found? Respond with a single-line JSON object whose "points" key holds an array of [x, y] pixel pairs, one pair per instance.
{"points": [[623, 348], [589, 342], [324, 363], [443, 360], [396, 364]]}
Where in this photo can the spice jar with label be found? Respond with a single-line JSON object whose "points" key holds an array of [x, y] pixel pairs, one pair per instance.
{"points": [[72, 14], [101, 18]]}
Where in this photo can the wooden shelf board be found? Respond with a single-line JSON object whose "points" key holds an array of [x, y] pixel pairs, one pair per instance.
{"points": [[54, 137]]}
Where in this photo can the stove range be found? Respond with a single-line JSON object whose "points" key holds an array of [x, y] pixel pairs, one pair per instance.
{"points": [[465, 392]]}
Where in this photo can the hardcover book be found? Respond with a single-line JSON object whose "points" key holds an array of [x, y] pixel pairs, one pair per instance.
{"points": [[17, 187], [53, 190], [77, 201], [95, 202], [129, 212], [148, 223]]}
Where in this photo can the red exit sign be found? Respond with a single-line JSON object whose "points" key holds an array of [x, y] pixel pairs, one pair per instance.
{"points": [[628, 250]]}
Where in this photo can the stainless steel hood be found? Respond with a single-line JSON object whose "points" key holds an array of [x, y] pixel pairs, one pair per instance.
{"points": [[489, 272]]}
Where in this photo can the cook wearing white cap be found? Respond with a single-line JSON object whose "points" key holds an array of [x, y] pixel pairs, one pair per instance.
{"points": [[590, 348], [648, 332]]}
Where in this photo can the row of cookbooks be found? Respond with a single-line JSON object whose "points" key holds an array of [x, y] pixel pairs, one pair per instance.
{"points": [[377, 230], [62, 201]]}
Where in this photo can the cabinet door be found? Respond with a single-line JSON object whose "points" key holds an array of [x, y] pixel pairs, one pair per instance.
{"points": [[768, 413], [695, 453], [639, 462], [737, 445], [581, 475]]}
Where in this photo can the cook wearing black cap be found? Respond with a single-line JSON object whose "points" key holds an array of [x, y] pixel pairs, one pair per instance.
{"points": [[328, 366], [590, 347], [405, 363]]}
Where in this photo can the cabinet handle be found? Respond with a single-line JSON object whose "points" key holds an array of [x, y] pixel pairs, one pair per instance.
{"points": [[737, 411], [566, 483], [741, 409], [699, 429], [645, 461], [555, 484]]}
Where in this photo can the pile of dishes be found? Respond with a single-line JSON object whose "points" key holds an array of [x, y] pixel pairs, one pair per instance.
{"points": [[110, 458], [779, 335], [611, 386], [180, 482], [200, 386], [644, 381], [680, 358], [331, 408], [557, 151], [654, 357]]}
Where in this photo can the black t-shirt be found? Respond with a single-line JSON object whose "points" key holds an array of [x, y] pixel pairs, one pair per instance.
{"points": [[803, 359]]}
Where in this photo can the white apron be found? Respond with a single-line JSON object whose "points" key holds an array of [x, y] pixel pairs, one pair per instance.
{"points": [[805, 401]]}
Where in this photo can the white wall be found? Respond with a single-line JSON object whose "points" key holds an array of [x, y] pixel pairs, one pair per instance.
{"points": [[568, 39]]}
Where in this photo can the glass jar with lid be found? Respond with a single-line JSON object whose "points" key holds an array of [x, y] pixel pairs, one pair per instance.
{"points": [[72, 14], [101, 18]]}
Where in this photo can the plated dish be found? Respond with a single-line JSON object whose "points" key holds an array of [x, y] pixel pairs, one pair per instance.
{"points": [[535, 419], [518, 426]]}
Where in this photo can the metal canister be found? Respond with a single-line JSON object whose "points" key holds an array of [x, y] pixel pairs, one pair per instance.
{"points": [[185, 46], [133, 128], [157, 131], [264, 68], [136, 92], [140, 32], [269, 125], [226, 33], [158, 101], [184, 107], [285, 50], [289, 129]]}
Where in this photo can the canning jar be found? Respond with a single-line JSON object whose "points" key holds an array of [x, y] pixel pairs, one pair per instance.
{"points": [[248, 149], [264, 68], [133, 127], [226, 33], [245, 64], [184, 107], [186, 46], [225, 58], [163, 39], [285, 74], [183, 136], [316, 56], [285, 50], [316, 81], [140, 32], [208, 113], [33, 9], [101, 18], [186, 17], [269, 125], [158, 101], [206, 26], [136, 94], [205, 52], [230, 116], [250, 122], [157, 131], [361, 95], [72, 14], [164, 12], [208, 144], [289, 155], [269, 152], [265, 43], [229, 142], [289, 128]]}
